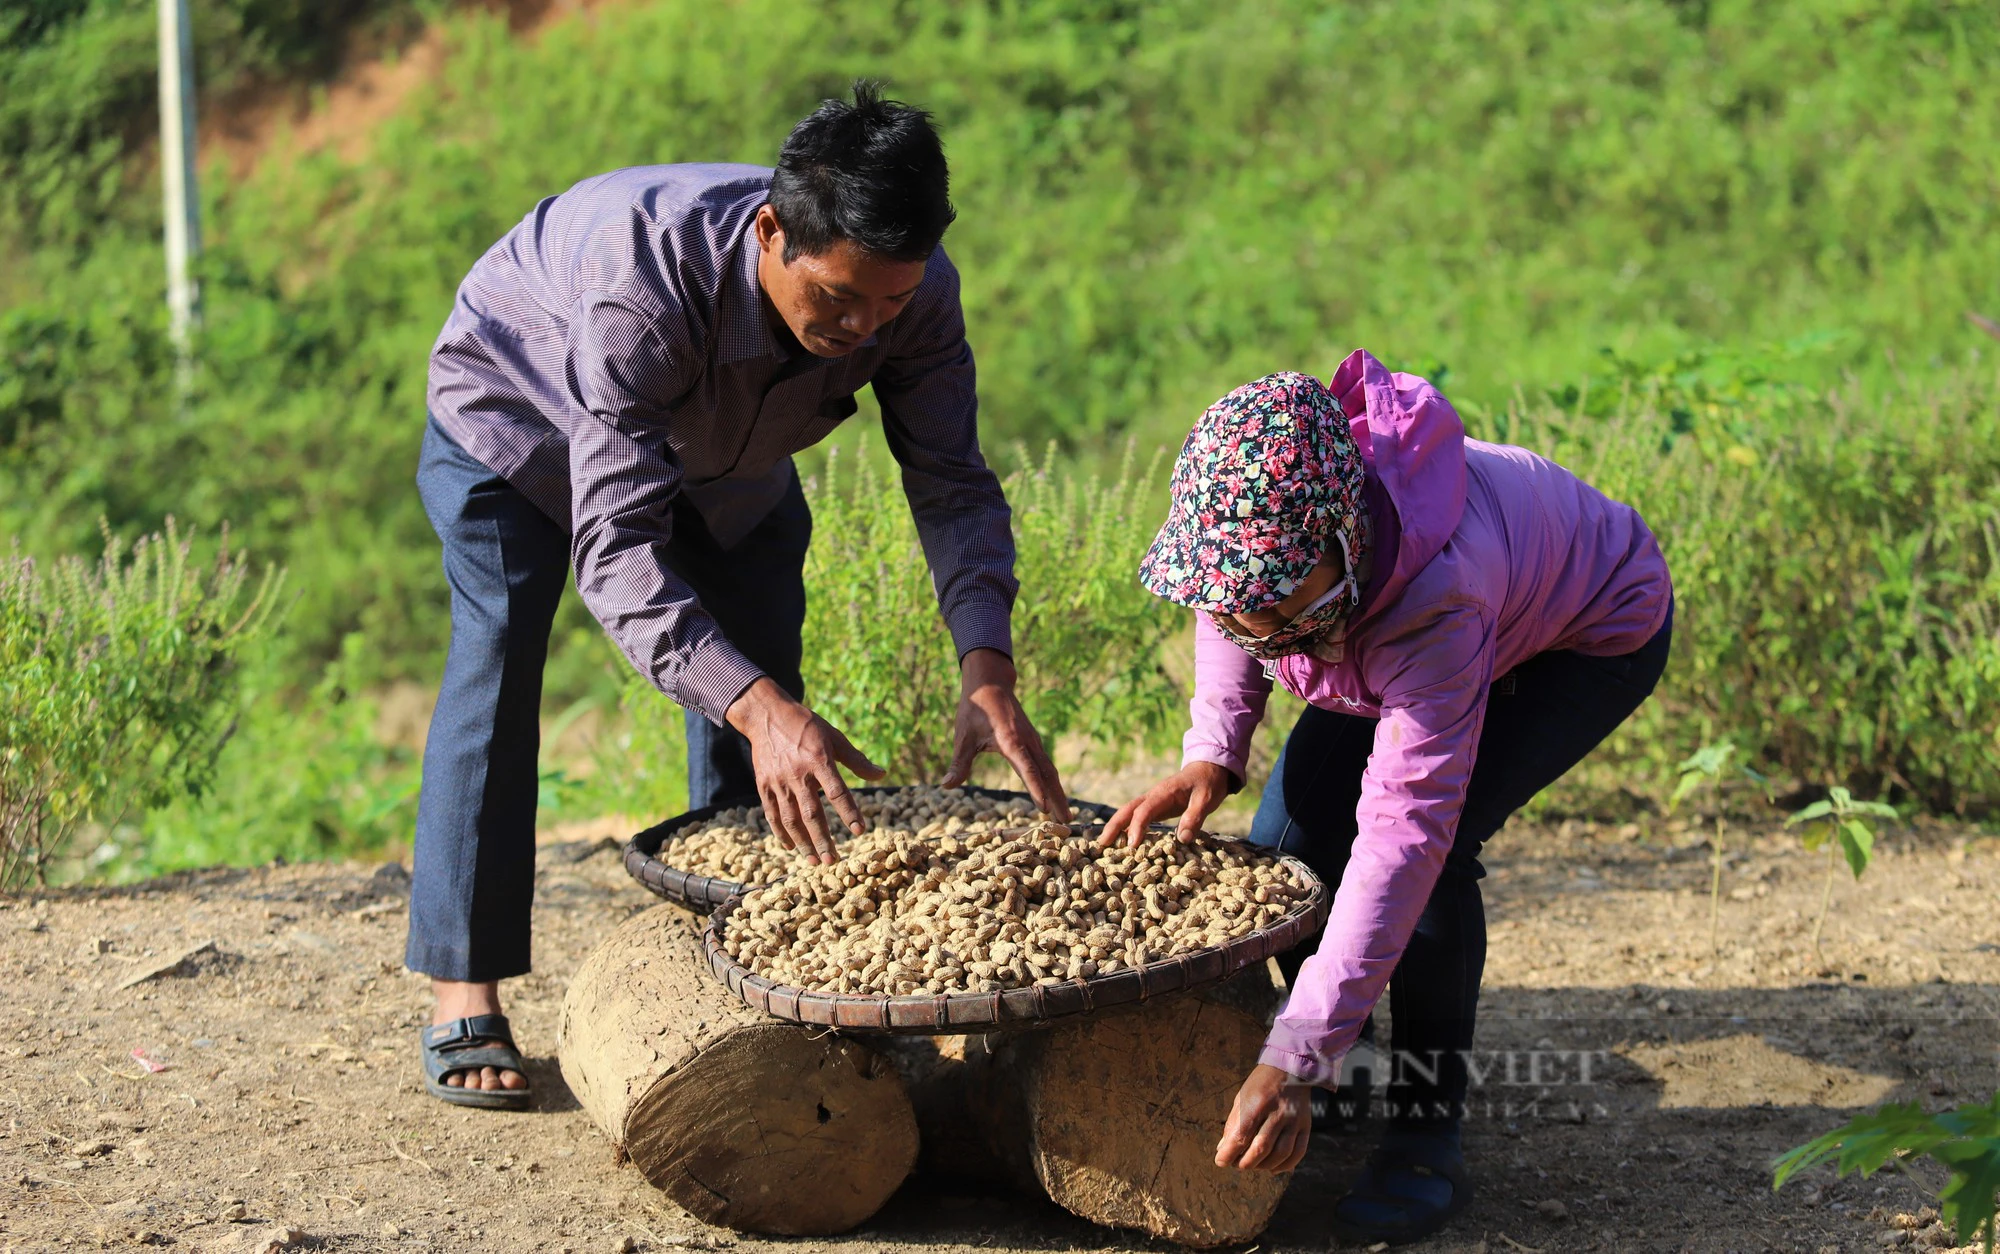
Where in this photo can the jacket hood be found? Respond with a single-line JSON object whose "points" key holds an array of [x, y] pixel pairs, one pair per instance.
{"points": [[1414, 445]]}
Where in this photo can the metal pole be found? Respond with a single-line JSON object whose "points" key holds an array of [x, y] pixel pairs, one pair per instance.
{"points": [[177, 180]]}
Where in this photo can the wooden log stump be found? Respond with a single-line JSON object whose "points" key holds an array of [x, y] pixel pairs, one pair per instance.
{"points": [[1115, 1118], [744, 1122]]}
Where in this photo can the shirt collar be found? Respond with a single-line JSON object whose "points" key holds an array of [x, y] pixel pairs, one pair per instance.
{"points": [[745, 333]]}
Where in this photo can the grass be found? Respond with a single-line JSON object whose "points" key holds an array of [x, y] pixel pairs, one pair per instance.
{"points": [[1716, 255]]}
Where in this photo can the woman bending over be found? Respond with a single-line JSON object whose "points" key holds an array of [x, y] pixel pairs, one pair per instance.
{"points": [[1465, 622]]}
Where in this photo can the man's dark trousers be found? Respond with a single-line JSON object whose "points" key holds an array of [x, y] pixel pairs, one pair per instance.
{"points": [[507, 564]]}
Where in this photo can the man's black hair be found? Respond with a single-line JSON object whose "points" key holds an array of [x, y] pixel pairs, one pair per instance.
{"points": [[871, 171]]}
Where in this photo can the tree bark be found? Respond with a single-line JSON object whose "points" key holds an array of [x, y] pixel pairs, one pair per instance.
{"points": [[743, 1121]]}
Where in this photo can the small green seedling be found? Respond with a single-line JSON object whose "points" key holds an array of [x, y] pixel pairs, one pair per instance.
{"points": [[1965, 1140], [1708, 765], [1840, 822]]}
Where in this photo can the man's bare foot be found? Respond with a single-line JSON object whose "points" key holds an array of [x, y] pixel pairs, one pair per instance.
{"points": [[457, 999]]}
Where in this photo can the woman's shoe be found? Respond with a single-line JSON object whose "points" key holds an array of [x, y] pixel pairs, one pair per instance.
{"points": [[1414, 1184]]}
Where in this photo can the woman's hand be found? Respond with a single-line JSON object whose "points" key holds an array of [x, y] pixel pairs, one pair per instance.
{"points": [[1269, 1126], [1193, 792]]}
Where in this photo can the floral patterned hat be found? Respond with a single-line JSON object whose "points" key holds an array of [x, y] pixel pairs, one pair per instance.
{"points": [[1268, 479]]}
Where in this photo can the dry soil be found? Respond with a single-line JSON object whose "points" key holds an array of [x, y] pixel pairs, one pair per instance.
{"points": [[1637, 1084]]}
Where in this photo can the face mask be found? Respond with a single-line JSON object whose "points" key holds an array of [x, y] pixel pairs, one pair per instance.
{"points": [[1305, 633]]}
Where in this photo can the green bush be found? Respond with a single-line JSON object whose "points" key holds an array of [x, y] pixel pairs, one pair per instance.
{"points": [[115, 687], [79, 91], [307, 775], [1837, 567], [1087, 637], [880, 665], [1157, 202], [1965, 1141], [641, 765]]}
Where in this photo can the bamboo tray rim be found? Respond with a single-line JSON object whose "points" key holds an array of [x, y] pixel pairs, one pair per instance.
{"points": [[1014, 1009], [702, 893]]}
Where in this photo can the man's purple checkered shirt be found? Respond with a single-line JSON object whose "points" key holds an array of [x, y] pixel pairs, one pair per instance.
{"points": [[613, 350]]}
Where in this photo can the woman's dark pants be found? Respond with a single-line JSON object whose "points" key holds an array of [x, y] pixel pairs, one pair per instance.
{"points": [[1541, 719], [507, 564]]}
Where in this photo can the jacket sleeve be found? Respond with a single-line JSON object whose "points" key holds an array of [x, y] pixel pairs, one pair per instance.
{"points": [[930, 412], [1434, 679], [623, 480], [1230, 690]]}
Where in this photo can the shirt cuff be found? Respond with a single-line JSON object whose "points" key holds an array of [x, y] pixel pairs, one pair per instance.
{"points": [[980, 624], [1234, 763], [709, 678], [1283, 1051]]}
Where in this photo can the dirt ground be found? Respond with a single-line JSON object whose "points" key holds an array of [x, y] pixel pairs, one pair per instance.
{"points": [[1636, 1087]]}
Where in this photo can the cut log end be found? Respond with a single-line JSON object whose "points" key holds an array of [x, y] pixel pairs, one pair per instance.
{"points": [[743, 1122], [1115, 1118], [775, 1130], [1126, 1111]]}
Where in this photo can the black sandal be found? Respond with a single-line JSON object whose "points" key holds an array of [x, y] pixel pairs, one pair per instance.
{"points": [[1392, 1185], [467, 1045]]}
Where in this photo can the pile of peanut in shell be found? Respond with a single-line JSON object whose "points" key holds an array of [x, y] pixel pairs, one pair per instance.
{"points": [[738, 845], [903, 914]]}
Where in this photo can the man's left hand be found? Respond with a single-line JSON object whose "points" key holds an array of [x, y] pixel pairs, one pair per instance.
{"points": [[990, 720]]}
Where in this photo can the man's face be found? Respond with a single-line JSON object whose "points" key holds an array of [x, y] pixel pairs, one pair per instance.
{"points": [[835, 301]]}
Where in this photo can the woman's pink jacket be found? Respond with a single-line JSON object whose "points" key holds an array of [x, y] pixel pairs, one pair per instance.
{"points": [[1485, 555]]}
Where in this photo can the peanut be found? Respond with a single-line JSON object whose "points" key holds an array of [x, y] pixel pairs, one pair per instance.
{"points": [[987, 908], [738, 845]]}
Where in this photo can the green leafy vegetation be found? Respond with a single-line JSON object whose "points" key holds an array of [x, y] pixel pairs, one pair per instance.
{"points": [[307, 775], [115, 686], [1711, 765], [1158, 201], [1834, 558], [1716, 257], [79, 83], [880, 665], [1840, 822], [1966, 1141]]}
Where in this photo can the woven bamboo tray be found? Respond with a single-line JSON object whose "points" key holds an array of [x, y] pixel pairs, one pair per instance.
{"points": [[1017, 1008], [705, 892]]}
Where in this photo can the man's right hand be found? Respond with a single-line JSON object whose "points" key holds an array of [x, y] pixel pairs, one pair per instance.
{"points": [[797, 756], [1193, 792]]}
